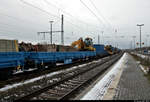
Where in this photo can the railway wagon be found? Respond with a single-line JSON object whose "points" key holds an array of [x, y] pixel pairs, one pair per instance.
{"points": [[100, 52], [42, 59], [10, 61]]}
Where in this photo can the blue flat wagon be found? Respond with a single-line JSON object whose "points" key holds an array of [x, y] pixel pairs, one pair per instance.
{"points": [[25, 60], [10, 61], [42, 59], [100, 50]]}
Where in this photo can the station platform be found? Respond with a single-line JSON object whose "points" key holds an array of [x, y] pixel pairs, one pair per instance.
{"points": [[133, 84], [128, 83]]}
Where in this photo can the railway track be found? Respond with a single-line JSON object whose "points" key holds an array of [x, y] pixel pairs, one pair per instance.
{"points": [[35, 73], [65, 87], [24, 89]]}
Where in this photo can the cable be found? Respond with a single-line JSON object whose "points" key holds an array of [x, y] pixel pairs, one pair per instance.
{"points": [[100, 13], [39, 8], [50, 13], [45, 11], [15, 18], [80, 21], [13, 26], [63, 11], [4, 31], [92, 12], [68, 20]]}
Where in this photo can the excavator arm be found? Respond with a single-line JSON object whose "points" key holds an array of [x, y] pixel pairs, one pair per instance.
{"points": [[79, 43], [83, 45]]}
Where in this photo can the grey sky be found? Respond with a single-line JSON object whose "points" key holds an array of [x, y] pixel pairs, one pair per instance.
{"points": [[21, 21]]}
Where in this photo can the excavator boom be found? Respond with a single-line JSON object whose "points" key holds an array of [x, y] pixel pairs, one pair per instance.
{"points": [[86, 45]]}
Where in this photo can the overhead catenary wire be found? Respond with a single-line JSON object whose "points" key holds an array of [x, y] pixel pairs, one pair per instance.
{"points": [[71, 15], [47, 12], [16, 19], [100, 21], [12, 31], [98, 11], [6, 33], [39, 9], [65, 12], [78, 27], [69, 22], [15, 26], [13, 17], [20, 19], [4, 30]]}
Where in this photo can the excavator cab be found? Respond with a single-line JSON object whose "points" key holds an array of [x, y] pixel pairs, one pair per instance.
{"points": [[109, 49], [86, 45], [89, 44]]}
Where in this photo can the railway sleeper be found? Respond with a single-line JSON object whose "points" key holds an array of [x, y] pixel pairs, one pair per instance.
{"points": [[47, 97], [54, 91], [66, 86], [59, 87], [53, 95], [51, 98], [48, 94], [62, 89], [72, 84], [62, 85], [76, 81], [79, 79]]}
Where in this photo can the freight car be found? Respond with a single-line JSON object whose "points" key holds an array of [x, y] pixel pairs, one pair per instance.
{"points": [[10, 61]]}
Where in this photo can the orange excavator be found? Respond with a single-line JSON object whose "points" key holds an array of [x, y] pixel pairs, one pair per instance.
{"points": [[86, 45]]}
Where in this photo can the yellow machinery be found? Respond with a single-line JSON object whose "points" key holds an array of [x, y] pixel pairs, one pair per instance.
{"points": [[108, 48], [86, 45]]}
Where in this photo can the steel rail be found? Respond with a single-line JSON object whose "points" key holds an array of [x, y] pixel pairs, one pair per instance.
{"points": [[108, 62]]}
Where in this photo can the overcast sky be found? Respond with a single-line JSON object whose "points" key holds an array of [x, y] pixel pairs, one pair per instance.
{"points": [[22, 19]]}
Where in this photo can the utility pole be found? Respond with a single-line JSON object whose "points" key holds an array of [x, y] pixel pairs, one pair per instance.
{"points": [[38, 34], [102, 36], [134, 41], [98, 39], [51, 31], [115, 37], [131, 44], [147, 40], [140, 25], [62, 29]]}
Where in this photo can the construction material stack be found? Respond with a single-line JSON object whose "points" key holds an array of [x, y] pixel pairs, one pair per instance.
{"points": [[28, 47], [8, 45]]}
